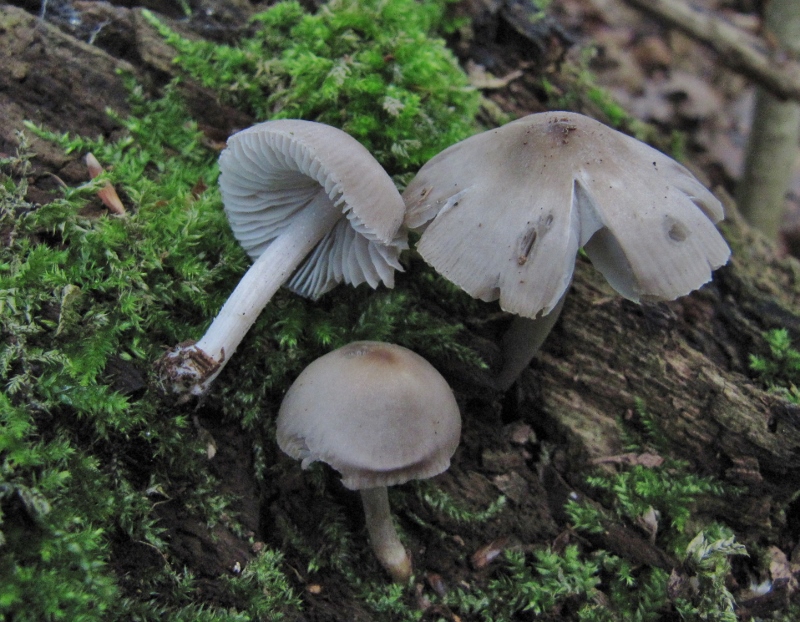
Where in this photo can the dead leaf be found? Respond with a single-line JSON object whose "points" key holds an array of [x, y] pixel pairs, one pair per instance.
{"points": [[199, 188], [436, 583], [648, 522], [107, 194], [486, 554], [521, 434]]}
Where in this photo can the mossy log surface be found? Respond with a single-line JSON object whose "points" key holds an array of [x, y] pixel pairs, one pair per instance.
{"points": [[684, 363]]}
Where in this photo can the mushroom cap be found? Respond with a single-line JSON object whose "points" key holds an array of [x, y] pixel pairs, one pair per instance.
{"points": [[376, 412], [505, 212], [271, 171]]}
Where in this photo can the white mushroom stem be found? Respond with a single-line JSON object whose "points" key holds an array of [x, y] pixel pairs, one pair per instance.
{"points": [[522, 341], [383, 536], [191, 368]]}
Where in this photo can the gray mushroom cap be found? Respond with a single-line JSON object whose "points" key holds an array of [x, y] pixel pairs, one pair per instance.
{"points": [[270, 172], [503, 214], [378, 413]]}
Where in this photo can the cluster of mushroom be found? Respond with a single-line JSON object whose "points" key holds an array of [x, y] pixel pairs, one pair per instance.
{"points": [[501, 214]]}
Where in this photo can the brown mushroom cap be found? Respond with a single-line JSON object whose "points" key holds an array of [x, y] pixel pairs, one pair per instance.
{"points": [[376, 412], [505, 212]]}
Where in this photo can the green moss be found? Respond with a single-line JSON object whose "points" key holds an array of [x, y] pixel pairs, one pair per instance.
{"points": [[779, 370], [707, 559], [665, 497], [264, 585], [446, 505], [589, 587], [669, 490], [372, 68], [535, 583], [88, 301]]}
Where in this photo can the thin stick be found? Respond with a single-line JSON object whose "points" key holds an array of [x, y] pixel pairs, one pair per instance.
{"points": [[738, 49]]}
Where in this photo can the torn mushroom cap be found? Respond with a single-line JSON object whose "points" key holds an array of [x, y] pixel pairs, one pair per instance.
{"points": [[271, 171], [377, 413], [508, 209]]}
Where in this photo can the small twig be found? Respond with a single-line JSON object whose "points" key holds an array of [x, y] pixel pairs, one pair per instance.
{"points": [[57, 179], [157, 550], [738, 49]]}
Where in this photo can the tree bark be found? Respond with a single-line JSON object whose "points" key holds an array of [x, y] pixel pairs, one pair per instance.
{"points": [[686, 362]]}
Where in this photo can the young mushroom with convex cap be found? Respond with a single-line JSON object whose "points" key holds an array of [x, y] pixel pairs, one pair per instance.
{"points": [[503, 214], [379, 414], [313, 208]]}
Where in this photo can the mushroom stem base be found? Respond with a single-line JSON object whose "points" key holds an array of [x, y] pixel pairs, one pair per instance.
{"points": [[522, 341], [189, 368], [383, 536]]}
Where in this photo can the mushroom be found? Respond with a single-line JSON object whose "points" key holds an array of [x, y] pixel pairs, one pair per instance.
{"points": [[313, 208], [503, 214], [379, 414]]}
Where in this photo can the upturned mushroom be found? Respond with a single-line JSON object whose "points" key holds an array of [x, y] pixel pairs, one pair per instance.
{"points": [[379, 414], [504, 213], [313, 208]]}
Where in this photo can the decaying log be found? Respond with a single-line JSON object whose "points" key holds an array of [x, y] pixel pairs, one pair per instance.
{"points": [[53, 79], [686, 363]]}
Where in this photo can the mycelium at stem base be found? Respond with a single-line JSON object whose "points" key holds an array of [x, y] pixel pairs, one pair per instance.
{"points": [[382, 535], [190, 368]]}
